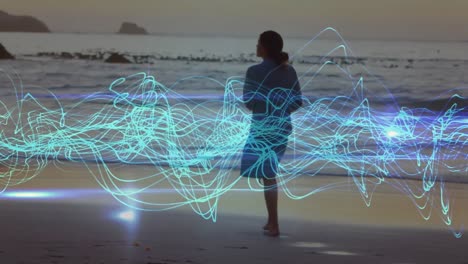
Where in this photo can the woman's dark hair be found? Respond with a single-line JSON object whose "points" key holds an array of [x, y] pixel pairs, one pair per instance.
{"points": [[273, 44]]}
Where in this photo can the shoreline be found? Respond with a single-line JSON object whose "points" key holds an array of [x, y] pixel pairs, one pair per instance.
{"points": [[456, 178], [390, 204]]}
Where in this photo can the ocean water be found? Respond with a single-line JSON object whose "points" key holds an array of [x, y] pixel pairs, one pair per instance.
{"points": [[414, 71], [392, 73]]}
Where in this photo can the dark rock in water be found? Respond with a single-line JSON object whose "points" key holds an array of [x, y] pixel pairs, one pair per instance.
{"points": [[442, 104], [4, 54], [131, 28], [66, 55], [12, 23], [117, 58]]}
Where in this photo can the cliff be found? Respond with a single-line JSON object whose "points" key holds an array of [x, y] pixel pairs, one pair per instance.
{"points": [[13, 23]]}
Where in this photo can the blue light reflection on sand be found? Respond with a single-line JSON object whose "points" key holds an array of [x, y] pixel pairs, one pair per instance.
{"points": [[30, 195], [60, 194]]}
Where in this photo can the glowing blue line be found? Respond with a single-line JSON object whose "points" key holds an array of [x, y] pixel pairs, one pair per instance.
{"points": [[187, 141]]}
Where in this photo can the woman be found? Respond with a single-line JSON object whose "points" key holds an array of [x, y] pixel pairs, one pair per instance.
{"points": [[272, 92]]}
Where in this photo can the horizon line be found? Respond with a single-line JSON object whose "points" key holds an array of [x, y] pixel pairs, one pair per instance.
{"points": [[206, 34]]}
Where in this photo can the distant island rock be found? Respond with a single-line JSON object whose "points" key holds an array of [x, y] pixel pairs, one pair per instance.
{"points": [[132, 29], [4, 54], [13, 23]]}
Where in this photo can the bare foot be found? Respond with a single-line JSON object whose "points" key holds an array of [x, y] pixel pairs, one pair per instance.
{"points": [[272, 231], [266, 226]]}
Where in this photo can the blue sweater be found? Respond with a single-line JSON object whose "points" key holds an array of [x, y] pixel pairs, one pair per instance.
{"points": [[272, 92]]}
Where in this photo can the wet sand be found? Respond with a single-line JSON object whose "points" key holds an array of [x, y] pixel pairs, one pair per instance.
{"points": [[334, 226]]}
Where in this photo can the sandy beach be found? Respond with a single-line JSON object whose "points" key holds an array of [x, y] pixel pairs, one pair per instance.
{"points": [[124, 126], [89, 226]]}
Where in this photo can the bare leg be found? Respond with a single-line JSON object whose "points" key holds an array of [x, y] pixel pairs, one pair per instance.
{"points": [[271, 200], [268, 223]]}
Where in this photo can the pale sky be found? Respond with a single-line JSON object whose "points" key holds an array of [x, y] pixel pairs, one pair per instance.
{"points": [[355, 19]]}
